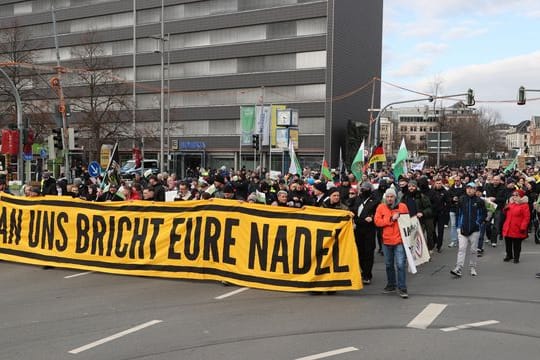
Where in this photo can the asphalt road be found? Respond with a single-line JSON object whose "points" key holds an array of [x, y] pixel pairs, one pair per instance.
{"points": [[65, 314]]}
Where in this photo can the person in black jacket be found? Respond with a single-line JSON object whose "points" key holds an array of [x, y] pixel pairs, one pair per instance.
{"points": [[441, 206], [48, 184], [457, 190], [496, 192], [471, 214], [364, 208], [428, 222]]}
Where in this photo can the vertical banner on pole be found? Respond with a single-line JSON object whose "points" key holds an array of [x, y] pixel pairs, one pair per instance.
{"points": [[247, 124], [263, 115]]}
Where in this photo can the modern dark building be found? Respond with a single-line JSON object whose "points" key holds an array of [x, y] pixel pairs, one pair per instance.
{"points": [[215, 56]]}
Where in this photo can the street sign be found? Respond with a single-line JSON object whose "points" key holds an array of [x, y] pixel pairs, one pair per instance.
{"points": [[94, 169], [439, 142], [43, 153]]}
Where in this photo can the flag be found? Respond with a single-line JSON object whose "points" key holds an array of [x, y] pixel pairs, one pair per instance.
{"points": [[294, 167], [358, 162], [377, 155], [402, 155], [111, 172], [514, 162], [325, 170], [419, 166], [342, 170]]}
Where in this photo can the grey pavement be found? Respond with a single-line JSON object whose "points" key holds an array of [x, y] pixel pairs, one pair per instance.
{"points": [[46, 314]]}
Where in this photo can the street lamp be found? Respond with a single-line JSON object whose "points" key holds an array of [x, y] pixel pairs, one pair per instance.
{"points": [[162, 40], [18, 102], [470, 102]]}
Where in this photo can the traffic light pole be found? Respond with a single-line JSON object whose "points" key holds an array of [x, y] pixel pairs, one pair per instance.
{"points": [[20, 161], [62, 104]]}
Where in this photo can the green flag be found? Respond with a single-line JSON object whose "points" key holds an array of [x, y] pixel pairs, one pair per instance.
{"points": [[358, 162], [325, 170], [294, 167], [514, 162], [399, 166]]}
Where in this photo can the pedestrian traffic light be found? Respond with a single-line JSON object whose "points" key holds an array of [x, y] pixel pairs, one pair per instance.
{"points": [[57, 138], [470, 98], [521, 96], [255, 141]]}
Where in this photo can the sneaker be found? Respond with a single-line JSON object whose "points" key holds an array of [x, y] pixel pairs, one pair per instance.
{"points": [[538, 275], [473, 272], [516, 261], [366, 281], [389, 289], [507, 259], [493, 245], [456, 271], [452, 244], [403, 293], [479, 251]]}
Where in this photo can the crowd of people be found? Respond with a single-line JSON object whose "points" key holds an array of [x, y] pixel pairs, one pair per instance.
{"points": [[478, 206]]}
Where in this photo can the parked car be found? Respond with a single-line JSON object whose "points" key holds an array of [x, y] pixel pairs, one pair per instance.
{"points": [[128, 170]]}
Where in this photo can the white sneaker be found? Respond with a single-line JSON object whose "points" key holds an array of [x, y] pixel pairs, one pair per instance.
{"points": [[473, 272]]}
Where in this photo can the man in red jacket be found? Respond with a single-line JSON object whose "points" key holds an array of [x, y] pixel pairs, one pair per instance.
{"points": [[386, 217]]}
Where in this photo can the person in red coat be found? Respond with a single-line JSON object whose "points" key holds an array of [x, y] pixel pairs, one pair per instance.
{"points": [[516, 223]]}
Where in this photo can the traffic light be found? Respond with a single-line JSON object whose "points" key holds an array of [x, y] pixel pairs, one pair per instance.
{"points": [[470, 98], [57, 138], [73, 136], [255, 141], [28, 136], [521, 96]]}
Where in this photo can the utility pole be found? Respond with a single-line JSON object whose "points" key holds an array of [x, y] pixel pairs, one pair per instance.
{"points": [[57, 86]]}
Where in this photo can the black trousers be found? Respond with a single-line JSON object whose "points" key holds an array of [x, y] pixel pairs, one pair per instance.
{"points": [[513, 247], [364, 236], [439, 221]]}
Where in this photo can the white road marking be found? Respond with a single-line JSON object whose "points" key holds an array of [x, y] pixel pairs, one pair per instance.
{"points": [[466, 326], [114, 337], [427, 316], [237, 291], [79, 274], [329, 353]]}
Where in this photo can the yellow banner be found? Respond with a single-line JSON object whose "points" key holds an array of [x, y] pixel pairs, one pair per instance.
{"points": [[251, 245]]}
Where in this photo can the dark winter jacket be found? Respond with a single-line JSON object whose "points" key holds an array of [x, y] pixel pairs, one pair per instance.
{"points": [[471, 214]]}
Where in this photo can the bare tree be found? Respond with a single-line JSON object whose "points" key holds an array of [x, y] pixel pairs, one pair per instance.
{"points": [[17, 57], [100, 100]]}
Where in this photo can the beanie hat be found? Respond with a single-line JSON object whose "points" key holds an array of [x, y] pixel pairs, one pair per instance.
{"points": [[390, 191], [333, 190], [320, 186], [520, 192]]}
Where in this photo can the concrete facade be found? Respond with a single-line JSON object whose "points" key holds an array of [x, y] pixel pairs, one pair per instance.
{"points": [[222, 54]]}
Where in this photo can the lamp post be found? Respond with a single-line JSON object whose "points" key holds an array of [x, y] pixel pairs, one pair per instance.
{"points": [[162, 38], [20, 163], [470, 102]]}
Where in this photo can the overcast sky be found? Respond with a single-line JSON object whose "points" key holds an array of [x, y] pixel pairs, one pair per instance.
{"points": [[491, 46]]}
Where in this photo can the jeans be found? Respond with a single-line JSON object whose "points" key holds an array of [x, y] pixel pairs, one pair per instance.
{"points": [[394, 257], [480, 245], [462, 250], [453, 229]]}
